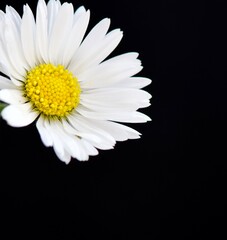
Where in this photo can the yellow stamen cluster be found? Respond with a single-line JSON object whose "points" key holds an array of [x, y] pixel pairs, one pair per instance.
{"points": [[52, 90]]}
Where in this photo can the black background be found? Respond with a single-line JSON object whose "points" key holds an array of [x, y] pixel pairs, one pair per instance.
{"points": [[169, 183]]}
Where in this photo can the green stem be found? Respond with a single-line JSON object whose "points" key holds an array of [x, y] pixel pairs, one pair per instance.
{"points": [[2, 105]]}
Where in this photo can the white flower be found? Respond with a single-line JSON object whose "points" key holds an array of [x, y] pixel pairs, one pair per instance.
{"points": [[54, 77]]}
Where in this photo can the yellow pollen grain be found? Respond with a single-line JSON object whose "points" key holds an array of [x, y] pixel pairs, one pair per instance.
{"points": [[52, 90]]}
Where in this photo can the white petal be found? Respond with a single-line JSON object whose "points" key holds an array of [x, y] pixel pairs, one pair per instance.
{"points": [[113, 99], [27, 36], [75, 148], [71, 143], [79, 12], [88, 46], [60, 31], [111, 71], [92, 151], [2, 15], [91, 106], [64, 143], [14, 15], [79, 131], [65, 157], [3, 68], [6, 65], [130, 117], [99, 51], [12, 96], [57, 143], [120, 95], [103, 50], [133, 82], [52, 9], [82, 132], [75, 37], [130, 132], [19, 115], [41, 32], [118, 131], [97, 137], [5, 83], [14, 48], [7, 71], [59, 148], [44, 134], [51, 136], [90, 126]]}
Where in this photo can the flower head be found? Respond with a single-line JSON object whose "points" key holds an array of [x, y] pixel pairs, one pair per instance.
{"points": [[59, 78]]}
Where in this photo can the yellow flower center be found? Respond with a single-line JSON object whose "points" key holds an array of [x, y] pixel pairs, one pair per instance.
{"points": [[52, 90]]}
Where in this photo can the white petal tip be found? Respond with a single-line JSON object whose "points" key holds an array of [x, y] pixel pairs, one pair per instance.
{"points": [[149, 81], [18, 115], [146, 118], [82, 160], [106, 21], [67, 162], [81, 9]]}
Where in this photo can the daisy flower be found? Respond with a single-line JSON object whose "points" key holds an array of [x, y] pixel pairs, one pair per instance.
{"points": [[55, 76]]}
